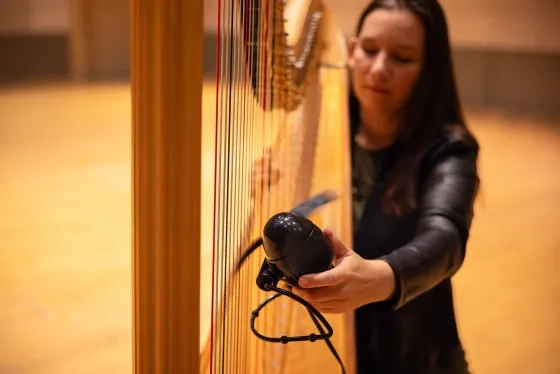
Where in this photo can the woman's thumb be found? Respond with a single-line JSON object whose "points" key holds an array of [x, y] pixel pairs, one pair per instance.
{"points": [[339, 248]]}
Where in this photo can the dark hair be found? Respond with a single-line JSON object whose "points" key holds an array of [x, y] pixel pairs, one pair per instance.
{"points": [[433, 107]]}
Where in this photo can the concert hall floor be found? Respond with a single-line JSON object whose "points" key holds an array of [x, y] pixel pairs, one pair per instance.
{"points": [[65, 277]]}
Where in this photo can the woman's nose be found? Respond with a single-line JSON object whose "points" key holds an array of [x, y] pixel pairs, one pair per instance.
{"points": [[379, 65]]}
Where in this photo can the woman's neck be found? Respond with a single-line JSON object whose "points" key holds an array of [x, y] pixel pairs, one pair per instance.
{"points": [[376, 131]]}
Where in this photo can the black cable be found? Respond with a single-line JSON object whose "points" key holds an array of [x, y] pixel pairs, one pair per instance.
{"points": [[254, 245], [328, 342], [316, 316], [286, 339]]}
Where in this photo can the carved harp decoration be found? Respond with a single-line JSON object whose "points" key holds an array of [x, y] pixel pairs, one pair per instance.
{"points": [[281, 90]]}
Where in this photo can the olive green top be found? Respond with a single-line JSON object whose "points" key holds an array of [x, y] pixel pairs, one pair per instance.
{"points": [[366, 165]]}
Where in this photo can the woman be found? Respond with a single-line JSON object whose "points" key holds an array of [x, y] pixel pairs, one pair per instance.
{"points": [[415, 182]]}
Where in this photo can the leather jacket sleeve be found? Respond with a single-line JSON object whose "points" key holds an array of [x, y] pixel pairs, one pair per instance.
{"points": [[446, 198]]}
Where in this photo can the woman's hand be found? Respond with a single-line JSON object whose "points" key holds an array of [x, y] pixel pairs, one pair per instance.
{"points": [[352, 282]]}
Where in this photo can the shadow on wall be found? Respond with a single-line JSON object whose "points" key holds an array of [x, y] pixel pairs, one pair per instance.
{"points": [[525, 82], [33, 57]]}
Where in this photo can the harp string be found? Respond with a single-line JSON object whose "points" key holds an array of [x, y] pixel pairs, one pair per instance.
{"points": [[225, 181], [237, 331], [223, 131], [280, 310], [223, 300], [211, 336], [233, 206], [239, 335], [242, 356], [260, 19], [258, 23], [260, 8], [249, 55], [231, 186]]}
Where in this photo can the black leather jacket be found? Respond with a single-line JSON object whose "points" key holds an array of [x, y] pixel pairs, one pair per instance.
{"points": [[416, 332]]}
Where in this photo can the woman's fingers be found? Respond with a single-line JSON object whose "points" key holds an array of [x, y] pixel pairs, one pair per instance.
{"points": [[340, 249], [332, 277], [318, 295], [333, 306], [330, 310]]}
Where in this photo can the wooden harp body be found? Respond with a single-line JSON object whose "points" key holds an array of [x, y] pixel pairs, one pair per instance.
{"points": [[281, 91]]}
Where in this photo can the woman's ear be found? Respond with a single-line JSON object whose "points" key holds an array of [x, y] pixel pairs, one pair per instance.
{"points": [[351, 46]]}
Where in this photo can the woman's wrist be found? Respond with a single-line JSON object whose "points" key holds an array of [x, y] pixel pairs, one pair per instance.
{"points": [[383, 280]]}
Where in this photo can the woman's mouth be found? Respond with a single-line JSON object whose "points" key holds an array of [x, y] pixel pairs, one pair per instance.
{"points": [[379, 90]]}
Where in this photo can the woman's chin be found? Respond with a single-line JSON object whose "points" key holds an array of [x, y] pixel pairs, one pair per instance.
{"points": [[375, 103]]}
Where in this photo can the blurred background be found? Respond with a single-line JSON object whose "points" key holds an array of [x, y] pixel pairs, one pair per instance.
{"points": [[65, 132]]}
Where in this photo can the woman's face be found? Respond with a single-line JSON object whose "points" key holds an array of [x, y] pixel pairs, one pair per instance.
{"points": [[386, 59]]}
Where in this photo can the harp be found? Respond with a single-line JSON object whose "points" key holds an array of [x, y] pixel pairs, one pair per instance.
{"points": [[280, 88]]}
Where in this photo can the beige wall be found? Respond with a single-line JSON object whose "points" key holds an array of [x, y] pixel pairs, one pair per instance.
{"points": [[108, 35], [521, 25], [32, 17], [496, 24]]}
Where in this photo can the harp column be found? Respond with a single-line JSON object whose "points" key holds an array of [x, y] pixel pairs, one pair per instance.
{"points": [[166, 83]]}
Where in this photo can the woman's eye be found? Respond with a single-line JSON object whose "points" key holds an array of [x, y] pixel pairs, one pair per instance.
{"points": [[403, 59], [369, 50]]}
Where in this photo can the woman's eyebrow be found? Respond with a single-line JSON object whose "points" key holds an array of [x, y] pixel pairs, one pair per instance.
{"points": [[399, 46]]}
